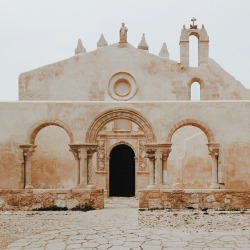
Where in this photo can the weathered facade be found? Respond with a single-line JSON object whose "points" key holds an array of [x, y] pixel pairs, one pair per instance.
{"points": [[122, 119]]}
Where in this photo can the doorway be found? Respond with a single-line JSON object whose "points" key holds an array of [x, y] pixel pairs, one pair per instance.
{"points": [[122, 171]]}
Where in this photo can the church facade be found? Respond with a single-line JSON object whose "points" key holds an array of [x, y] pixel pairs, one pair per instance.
{"points": [[122, 120]]}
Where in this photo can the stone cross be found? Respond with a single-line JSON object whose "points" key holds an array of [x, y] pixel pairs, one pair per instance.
{"points": [[193, 26]]}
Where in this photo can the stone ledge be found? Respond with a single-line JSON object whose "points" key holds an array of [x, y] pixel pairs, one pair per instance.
{"points": [[23, 199], [217, 199]]}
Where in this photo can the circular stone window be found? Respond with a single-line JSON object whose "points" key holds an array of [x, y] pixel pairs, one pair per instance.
{"points": [[122, 86]]}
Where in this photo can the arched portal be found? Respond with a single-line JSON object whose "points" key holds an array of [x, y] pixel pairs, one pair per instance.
{"points": [[122, 171]]}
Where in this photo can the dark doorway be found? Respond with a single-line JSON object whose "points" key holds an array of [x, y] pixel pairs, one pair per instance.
{"points": [[122, 171]]}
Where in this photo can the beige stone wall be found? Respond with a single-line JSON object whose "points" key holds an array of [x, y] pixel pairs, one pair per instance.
{"points": [[18, 199], [88, 77], [226, 123], [53, 165], [189, 163], [196, 199]]}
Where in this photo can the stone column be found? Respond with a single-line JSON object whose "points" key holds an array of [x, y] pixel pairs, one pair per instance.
{"points": [[76, 150], [150, 154], [28, 150], [214, 152], [164, 150], [90, 151]]}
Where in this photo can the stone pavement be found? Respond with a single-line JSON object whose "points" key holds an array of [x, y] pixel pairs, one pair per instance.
{"points": [[117, 227]]}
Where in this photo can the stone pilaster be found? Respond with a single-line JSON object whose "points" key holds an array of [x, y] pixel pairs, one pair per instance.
{"points": [[91, 149], [213, 149], [28, 150], [164, 151], [151, 151], [76, 150]]}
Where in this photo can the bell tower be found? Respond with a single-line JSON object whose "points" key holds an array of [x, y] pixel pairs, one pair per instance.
{"points": [[203, 43]]}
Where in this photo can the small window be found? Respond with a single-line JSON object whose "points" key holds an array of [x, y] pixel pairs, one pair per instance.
{"points": [[195, 91]]}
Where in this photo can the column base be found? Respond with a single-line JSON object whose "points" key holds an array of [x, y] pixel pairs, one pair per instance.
{"points": [[178, 185], [29, 186], [151, 186], [215, 186], [91, 187]]}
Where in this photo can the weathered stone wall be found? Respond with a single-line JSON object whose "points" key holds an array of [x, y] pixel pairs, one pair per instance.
{"points": [[228, 121], [86, 77], [197, 199], [23, 199]]}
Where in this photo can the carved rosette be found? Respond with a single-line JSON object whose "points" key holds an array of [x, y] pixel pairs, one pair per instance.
{"points": [[101, 152], [142, 156]]}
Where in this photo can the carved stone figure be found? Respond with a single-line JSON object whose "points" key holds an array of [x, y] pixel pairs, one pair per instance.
{"points": [[123, 33]]}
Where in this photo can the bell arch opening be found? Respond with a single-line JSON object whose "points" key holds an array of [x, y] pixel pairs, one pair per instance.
{"points": [[122, 171]]}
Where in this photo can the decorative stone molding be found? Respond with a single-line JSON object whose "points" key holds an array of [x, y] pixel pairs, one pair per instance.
{"points": [[142, 156], [34, 130], [122, 86], [91, 149], [101, 155], [199, 124], [119, 113]]}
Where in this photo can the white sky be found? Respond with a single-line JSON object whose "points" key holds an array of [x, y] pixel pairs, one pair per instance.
{"points": [[34, 33]]}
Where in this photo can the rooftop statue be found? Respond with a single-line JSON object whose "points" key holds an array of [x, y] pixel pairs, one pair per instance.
{"points": [[123, 33]]}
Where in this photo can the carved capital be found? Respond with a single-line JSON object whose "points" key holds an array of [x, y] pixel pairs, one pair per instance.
{"points": [[91, 150], [213, 149], [28, 149], [76, 150], [165, 149], [150, 153]]}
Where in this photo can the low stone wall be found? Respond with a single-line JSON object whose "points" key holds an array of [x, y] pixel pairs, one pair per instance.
{"points": [[29, 199], [197, 199]]}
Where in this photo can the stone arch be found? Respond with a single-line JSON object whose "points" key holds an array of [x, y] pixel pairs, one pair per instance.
{"points": [[201, 83], [196, 34], [121, 143], [45, 123], [119, 113], [196, 79], [201, 125]]}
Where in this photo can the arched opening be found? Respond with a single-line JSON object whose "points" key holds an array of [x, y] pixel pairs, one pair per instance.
{"points": [[122, 171], [189, 163], [52, 162], [193, 51], [195, 91]]}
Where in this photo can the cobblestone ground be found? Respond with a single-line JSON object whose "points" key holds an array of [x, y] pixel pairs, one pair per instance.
{"points": [[121, 226]]}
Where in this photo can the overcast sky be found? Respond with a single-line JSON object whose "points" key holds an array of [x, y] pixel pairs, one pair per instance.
{"points": [[34, 33]]}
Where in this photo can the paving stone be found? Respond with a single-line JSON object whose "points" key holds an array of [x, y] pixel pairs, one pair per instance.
{"points": [[132, 244], [151, 247], [119, 228], [58, 246], [90, 244], [73, 246]]}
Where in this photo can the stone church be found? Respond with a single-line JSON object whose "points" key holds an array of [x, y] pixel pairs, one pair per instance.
{"points": [[122, 120]]}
